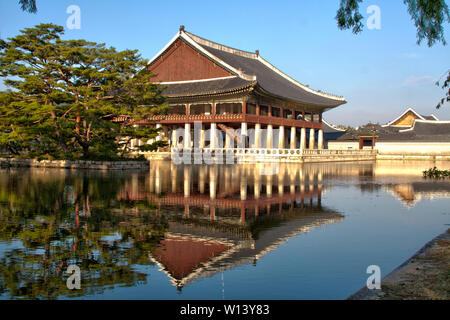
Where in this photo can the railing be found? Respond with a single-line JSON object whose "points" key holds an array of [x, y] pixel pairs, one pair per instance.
{"points": [[275, 152], [230, 117], [338, 152]]}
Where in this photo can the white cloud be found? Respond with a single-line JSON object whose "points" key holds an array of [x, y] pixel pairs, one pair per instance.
{"points": [[412, 81]]}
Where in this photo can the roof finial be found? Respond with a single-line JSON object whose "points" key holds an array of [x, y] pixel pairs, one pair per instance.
{"points": [[181, 28], [257, 53]]}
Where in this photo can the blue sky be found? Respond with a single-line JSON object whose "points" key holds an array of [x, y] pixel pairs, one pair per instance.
{"points": [[379, 72]]}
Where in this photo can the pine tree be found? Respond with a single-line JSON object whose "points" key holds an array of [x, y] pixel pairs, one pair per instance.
{"points": [[66, 93]]}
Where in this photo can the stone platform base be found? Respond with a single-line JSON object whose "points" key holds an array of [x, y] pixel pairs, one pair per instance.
{"points": [[77, 164]]}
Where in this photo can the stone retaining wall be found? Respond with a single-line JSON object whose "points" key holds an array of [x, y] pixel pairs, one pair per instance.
{"points": [[76, 164]]}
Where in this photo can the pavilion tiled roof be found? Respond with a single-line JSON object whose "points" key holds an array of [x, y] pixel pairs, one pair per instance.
{"points": [[216, 86], [250, 70], [270, 80]]}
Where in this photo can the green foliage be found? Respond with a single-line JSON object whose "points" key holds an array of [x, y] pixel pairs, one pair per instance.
{"points": [[435, 173], [429, 17], [28, 5], [349, 17], [445, 85], [66, 218], [66, 93]]}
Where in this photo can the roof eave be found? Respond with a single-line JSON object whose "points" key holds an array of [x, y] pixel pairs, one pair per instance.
{"points": [[324, 107]]}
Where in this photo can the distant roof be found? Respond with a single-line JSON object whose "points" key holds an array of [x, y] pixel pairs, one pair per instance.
{"points": [[250, 69], [431, 117], [422, 130], [328, 128], [428, 127]]}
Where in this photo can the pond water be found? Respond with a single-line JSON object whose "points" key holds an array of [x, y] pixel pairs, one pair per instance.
{"points": [[272, 231]]}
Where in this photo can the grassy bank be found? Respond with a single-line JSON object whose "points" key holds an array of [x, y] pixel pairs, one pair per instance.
{"points": [[425, 276]]}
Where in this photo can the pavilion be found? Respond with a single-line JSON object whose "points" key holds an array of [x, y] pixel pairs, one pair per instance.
{"points": [[232, 93]]}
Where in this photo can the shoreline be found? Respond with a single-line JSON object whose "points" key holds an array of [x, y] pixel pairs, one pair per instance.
{"points": [[74, 164], [424, 276]]}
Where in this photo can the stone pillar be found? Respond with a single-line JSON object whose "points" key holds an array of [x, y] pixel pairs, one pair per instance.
{"points": [[159, 137], [187, 136], [202, 138], [174, 138], [303, 139], [320, 140], [257, 135], [293, 138], [213, 143], [269, 137], [312, 139], [244, 128], [227, 141], [281, 137]]}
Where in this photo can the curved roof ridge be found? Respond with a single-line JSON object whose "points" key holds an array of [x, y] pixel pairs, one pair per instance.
{"points": [[333, 126], [433, 122], [304, 87], [218, 46], [403, 113]]}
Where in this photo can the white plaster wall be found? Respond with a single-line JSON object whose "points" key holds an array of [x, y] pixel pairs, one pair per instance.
{"points": [[418, 148], [343, 145]]}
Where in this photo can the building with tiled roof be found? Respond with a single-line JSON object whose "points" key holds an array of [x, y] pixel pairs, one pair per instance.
{"points": [[229, 89], [407, 118], [424, 136]]}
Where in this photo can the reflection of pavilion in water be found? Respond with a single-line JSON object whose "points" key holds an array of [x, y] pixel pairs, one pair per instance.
{"points": [[219, 219]]}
